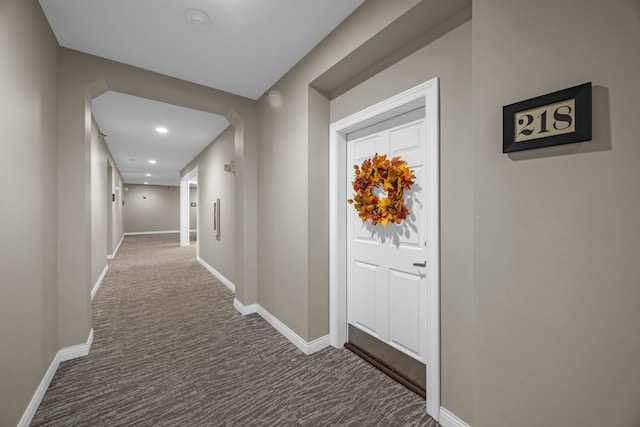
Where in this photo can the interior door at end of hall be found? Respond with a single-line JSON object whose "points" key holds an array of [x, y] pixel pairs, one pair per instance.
{"points": [[386, 281]]}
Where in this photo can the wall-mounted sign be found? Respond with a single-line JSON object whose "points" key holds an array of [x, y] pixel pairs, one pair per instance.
{"points": [[556, 118]]}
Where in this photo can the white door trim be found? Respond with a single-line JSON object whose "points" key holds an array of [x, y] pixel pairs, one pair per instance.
{"points": [[338, 131]]}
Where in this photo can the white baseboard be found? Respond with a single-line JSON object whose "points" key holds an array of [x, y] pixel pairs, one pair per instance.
{"points": [[304, 346], [99, 282], [140, 233], [228, 283], [76, 351], [113, 255], [28, 414], [448, 419], [318, 344], [67, 353], [245, 309]]}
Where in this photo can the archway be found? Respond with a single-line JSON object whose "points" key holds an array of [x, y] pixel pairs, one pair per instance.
{"points": [[83, 77]]}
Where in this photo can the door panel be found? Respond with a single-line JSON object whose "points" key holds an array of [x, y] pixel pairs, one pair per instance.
{"points": [[364, 146], [414, 237], [364, 301], [386, 293], [404, 138], [404, 298]]}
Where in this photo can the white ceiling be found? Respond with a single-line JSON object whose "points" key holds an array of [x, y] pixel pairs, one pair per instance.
{"points": [[130, 125], [248, 46]]}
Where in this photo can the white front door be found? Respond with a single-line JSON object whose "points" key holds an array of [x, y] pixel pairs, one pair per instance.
{"points": [[386, 275]]}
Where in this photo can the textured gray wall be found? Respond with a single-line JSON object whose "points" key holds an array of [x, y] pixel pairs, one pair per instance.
{"points": [[557, 230], [106, 214], [287, 185], [99, 154], [117, 225], [150, 208], [193, 211], [318, 220], [28, 212], [214, 183]]}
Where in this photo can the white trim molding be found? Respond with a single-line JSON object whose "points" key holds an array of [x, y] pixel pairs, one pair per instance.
{"points": [[244, 309], [304, 346], [428, 94], [113, 255], [76, 351], [317, 344], [140, 233], [99, 282], [448, 419], [228, 283], [62, 355]]}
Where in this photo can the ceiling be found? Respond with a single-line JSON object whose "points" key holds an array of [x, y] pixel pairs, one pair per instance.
{"points": [[130, 126], [247, 46]]}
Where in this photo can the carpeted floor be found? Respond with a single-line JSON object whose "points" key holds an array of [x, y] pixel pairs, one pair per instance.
{"points": [[170, 350]]}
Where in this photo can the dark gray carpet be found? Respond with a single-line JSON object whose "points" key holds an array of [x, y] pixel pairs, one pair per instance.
{"points": [[170, 350]]}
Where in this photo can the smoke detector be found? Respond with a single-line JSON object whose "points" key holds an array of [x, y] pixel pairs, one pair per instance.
{"points": [[197, 18]]}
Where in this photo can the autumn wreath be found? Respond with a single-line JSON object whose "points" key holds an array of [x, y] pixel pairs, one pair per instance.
{"points": [[394, 176]]}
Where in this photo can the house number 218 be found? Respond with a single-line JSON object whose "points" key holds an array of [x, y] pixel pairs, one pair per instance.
{"points": [[548, 120]]}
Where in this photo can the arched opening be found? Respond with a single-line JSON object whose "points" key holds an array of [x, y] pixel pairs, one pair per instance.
{"points": [[84, 77]]}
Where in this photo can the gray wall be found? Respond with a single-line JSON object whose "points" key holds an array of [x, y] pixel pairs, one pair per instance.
{"points": [[214, 183], [117, 223], [193, 211], [149, 208], [28, 216], [539, 307], [288, 124], [557, 230], [98, 204], [106, 213]]}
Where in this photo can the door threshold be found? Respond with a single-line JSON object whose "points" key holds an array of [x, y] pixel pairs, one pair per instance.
{"points": [[387, 370]]}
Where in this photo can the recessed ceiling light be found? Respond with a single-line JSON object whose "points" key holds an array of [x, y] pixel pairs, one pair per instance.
{"points": [[153, 162], [147, 174], [197, 18], [161, 129]]}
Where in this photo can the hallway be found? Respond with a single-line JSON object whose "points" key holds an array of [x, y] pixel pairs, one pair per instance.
{"points": [[170, 350]]}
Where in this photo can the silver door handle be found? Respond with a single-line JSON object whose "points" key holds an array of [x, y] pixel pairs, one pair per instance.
{"points": [[420, 264]]}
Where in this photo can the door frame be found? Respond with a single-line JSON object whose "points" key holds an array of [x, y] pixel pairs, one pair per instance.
{"points": [[429, 93]]}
